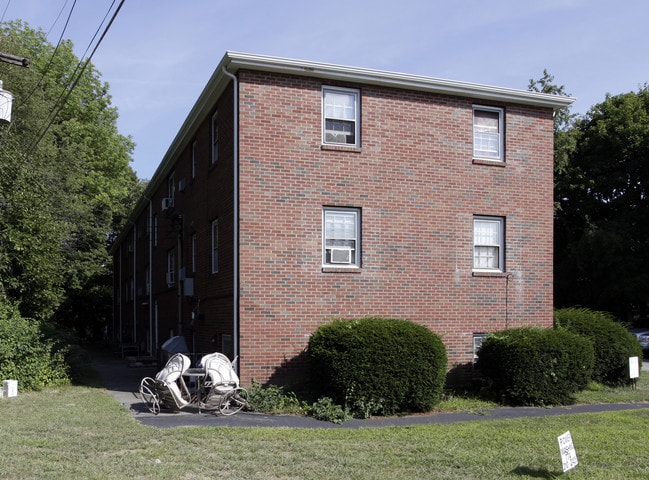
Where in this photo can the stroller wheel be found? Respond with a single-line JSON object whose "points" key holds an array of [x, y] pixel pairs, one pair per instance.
{"points": [[149, 396], [233, 401]]}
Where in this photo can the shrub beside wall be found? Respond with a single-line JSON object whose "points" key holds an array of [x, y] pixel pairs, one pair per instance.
{"points": [[613, 344], [25, 355], [535, 366], [378, 366]]}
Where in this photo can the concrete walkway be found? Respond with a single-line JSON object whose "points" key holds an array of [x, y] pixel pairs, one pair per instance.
{"points": [[122, 380]]}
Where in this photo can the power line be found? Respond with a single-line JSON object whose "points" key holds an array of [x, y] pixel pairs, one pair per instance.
{"points": [[61, 103], [4, 12]]}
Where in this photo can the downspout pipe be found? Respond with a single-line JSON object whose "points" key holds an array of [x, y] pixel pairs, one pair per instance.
{"points": [[235, 175]]}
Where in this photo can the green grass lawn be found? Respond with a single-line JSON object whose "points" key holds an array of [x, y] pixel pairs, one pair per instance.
{"points": [[82, 432]]}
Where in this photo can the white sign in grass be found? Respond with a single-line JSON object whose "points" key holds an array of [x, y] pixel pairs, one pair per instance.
{"points": [[568, 453], [634, 367]]}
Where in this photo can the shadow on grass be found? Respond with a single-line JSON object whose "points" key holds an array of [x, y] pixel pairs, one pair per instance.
{"points": [[535, 472]]}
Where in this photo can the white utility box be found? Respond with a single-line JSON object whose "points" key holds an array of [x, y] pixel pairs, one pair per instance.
{"points": [[10, 388]]}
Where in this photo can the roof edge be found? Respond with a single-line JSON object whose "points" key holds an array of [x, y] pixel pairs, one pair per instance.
{"points": [[238, 60]]}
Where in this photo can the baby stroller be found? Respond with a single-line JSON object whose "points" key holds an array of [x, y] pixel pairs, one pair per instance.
{"points": [[221, 389], [167, 389], [216, 388]]}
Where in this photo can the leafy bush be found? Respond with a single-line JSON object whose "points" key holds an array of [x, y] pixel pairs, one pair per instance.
{"points": [[273, 399], [535, 366], [378, 366], [26, 355], [612, 342], [326, 410]]}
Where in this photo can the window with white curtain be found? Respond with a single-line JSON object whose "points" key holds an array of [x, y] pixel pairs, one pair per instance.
{"points": [[488, 244], [488, 133], [340, 116], [341, 237]]}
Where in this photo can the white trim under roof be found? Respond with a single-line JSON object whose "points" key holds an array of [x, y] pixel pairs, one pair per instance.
{"points": [[366, 76]]}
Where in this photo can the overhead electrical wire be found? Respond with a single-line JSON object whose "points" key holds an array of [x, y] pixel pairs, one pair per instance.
{"points": [[59, 16], [53, 56], [81, 66], [4, 12], [80, 69]]}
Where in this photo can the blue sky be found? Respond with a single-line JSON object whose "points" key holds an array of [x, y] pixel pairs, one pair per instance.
{"points": [[159, 54]]}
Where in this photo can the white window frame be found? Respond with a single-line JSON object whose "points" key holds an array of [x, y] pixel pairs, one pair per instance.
{"points": [[331, 113], [215, 138], [481, 246], [478, 338], [171, 187], [493, 138], [215, 245], [350, 244]]}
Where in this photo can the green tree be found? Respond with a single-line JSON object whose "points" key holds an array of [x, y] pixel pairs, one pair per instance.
{"points": [[602, 240], [65, 182], [564, 135]]}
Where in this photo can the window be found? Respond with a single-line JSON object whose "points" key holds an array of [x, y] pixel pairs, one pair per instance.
{"points": [[341, 238], [171, 188], [194, 159], [488, 133], [478, 338], [155, 230], [147, 279], [488, 244], [215, 246], [340, 116], [193, 240], [215, 138], [171, 260]]}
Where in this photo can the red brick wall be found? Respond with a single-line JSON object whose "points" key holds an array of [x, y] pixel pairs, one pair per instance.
{"points": [[205, 317], [418, 189]]}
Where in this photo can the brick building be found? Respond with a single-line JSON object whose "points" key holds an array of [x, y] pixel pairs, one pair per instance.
{"points": [[298, 192]]}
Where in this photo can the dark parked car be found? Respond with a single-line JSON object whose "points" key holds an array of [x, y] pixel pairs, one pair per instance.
{"points": [[642, 334]]}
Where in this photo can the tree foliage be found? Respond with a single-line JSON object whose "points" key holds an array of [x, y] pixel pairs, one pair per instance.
{"points": [[564, 138], [65, 182], [602, 227]]}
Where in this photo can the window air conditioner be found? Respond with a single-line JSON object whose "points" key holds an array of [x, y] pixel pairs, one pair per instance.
{"points": [[341, 255], [336, 137], [167, 203]]}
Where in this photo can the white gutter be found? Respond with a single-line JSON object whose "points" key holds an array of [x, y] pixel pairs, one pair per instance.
{"points": [[235, 175], [396, 80]]}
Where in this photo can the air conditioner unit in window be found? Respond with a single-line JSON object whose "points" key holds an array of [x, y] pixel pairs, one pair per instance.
{"points": [[341, 255], [336, 137], [167, 203]]}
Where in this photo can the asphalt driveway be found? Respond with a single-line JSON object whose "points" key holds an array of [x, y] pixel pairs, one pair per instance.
{"points": [[122, 380]]}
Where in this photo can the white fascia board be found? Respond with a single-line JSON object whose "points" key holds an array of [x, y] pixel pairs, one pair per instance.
{"points": [[236, 60]]}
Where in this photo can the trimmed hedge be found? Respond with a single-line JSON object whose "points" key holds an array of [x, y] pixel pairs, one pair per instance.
{"points": [[378, 366], [535, 366], [613, 344]]}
